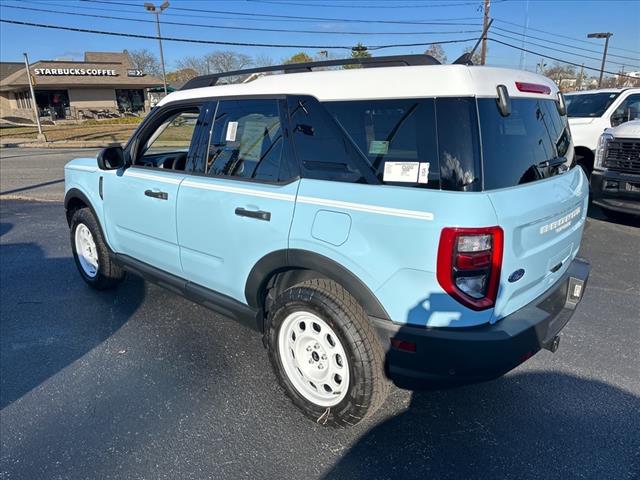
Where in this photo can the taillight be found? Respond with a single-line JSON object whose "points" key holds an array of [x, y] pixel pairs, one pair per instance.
{"points": [[469, 262], [533, 88]]}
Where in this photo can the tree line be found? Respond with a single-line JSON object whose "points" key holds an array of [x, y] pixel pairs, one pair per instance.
{"points": [[568, 77]]}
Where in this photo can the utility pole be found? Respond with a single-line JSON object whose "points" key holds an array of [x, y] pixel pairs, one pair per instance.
{"points": [[41, 135], [581, 77], [541, 66], [606, 36], [485, 26], [150, 7]]}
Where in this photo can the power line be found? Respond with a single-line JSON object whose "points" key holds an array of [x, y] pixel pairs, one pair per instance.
{"points": [[225, 27], [219, 42], [439, 21], [558, 43], [561, 50], [555, 34], [560, 59], [344, 5], [294, 17]]}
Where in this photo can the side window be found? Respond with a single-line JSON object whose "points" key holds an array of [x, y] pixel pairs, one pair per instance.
{"points": [[246, 140], [628, 110], [458, 144], [398, 138], [323, 147], [167, 146]]}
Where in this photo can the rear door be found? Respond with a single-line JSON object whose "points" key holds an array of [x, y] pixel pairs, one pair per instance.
{"points": [[540, 202], [238, 204]]}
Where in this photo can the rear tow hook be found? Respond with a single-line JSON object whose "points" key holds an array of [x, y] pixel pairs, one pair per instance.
{"points": [[553, 344]]}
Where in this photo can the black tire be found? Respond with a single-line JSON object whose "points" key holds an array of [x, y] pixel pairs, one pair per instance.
{"points": [[368, 385], [621, 217], [108, 274]]}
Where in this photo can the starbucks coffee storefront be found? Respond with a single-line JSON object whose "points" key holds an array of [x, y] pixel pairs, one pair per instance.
{"points": [[104, 85]]}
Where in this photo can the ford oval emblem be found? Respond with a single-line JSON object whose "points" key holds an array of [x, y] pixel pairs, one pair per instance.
{"points": [[517, 275]]}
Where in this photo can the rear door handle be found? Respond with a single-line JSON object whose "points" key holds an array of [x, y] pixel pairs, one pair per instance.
{"points": [[257, 214], [157, 194]]}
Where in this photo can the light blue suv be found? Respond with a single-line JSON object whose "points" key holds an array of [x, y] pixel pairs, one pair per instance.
{"points": [[413, 222]]}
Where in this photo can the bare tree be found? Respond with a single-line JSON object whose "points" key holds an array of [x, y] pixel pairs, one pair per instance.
{"points": [[558, 72], [263, 60], [227, 61], [145, 60], [216, 62], [476, 58], [437, 52], [197, 64]]}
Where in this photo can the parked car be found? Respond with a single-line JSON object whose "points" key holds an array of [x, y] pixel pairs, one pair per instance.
{"points": [[615, 182], [420, 223], [590, 112]]}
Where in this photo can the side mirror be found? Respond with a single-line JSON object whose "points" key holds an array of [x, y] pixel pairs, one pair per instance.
{"points": [[111, 158]]}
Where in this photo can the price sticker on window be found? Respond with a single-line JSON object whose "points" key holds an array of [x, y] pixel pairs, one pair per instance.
{"points": [[232, 130], [401, 172]]}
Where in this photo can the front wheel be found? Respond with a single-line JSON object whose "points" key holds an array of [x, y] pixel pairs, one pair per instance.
{"points": [[91, 253], [326, 354]]}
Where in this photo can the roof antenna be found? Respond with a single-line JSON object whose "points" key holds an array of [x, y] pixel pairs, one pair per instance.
{"points": [[465, 58]]}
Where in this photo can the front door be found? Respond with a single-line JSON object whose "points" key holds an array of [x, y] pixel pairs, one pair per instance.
{"points": [[238, 207], [140, 201]]}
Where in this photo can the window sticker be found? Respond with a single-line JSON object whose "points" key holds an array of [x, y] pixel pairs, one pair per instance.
{"points": [[232, 130], [401, 172], [423, 174], [378, 147]]}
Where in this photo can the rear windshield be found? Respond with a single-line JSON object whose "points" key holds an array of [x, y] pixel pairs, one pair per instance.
{"points": [[530, 144], [589, 104]]}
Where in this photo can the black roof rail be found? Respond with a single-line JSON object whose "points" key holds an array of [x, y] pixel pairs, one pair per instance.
{"points": [[366, 62]]}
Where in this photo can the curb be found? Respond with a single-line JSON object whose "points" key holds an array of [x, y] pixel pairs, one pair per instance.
{"points": [[63, 144]]}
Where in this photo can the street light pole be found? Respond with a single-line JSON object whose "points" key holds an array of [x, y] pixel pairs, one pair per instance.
{"points": [[33, 98], [606, 36], [150, 7]]}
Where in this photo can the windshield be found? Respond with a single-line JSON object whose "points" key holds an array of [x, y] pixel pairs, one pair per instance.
{"points": [[589, 104]]}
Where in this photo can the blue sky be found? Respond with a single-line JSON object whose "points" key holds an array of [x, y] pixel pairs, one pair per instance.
{"points": [[567, 18]]}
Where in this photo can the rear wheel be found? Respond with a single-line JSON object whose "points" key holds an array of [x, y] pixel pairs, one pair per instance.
{"points": [[326, 354], [91, 253]]}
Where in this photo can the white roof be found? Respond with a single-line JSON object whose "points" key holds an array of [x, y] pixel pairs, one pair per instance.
{"points": [[380, 83]]}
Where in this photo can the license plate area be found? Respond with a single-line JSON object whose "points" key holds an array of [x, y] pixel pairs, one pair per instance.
{"points": [[575, 290]]}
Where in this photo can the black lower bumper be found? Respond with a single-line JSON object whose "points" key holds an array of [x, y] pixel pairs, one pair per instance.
{"points": [[616, 191], [450, 356]]}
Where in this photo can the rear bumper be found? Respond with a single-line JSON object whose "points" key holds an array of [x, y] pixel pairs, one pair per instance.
{"points": [[446, 356], [612, 190]]}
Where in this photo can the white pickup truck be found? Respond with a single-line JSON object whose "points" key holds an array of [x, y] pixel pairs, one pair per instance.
{"points": [[592, 111], [615, 180]]}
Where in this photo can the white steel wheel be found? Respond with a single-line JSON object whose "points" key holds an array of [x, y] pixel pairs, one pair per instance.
{"points": [[313, 358], [86, 250]]}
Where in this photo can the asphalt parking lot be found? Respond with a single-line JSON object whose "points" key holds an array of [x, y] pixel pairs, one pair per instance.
{"points": [[140, 383]]}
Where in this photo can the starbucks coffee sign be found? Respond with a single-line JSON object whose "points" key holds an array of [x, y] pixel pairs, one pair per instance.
{"points": [[82, 72]]}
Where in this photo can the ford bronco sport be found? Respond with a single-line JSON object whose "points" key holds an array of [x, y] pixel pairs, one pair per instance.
{"points": [[413, 222]]}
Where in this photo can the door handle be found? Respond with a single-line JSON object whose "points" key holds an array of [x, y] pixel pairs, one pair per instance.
{"points": [[157, 194], [257, 214]]}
